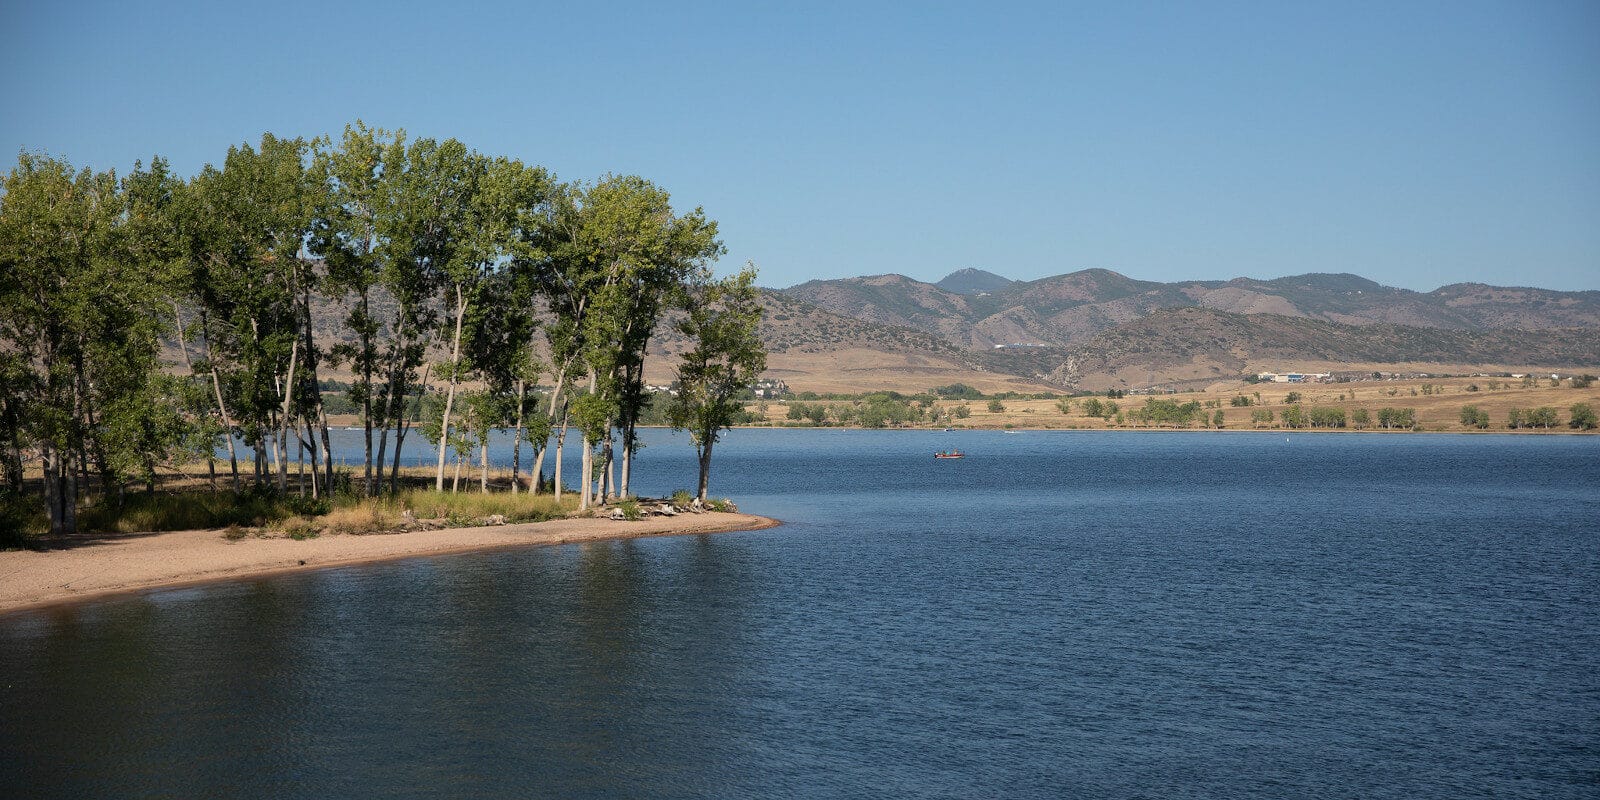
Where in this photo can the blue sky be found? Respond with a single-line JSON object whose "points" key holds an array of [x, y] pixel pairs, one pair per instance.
{"points": [[1415, 143]]}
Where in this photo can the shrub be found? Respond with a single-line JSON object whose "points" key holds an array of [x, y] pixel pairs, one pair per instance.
{"points": [[301, 529], [1583, 417], [995, 406], [630, 509]]}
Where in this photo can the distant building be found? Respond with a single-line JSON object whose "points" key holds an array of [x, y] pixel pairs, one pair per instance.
{"points": [[770, 389], [1294, 377]]}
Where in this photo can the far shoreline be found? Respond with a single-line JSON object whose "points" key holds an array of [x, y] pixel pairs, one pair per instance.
{"points": [[93, 567]]}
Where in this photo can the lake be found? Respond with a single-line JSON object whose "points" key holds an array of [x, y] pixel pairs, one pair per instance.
{"points": [[1125, 614]]}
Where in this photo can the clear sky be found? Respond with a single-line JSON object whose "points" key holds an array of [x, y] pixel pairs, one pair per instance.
{"points": [[1414, 143]]}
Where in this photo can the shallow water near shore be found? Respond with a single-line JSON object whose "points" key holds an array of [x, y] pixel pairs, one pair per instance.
{"points": [[1059, 614]]}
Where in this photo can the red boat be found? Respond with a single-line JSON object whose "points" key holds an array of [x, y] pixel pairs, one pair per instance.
{"points": [[949, 454]]}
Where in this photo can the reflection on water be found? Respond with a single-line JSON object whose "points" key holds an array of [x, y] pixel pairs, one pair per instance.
{"points": [[1058, 614]]}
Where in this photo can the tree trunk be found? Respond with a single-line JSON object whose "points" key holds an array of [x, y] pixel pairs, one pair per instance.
{"points": [[450, 396], [561, 440], [69, 498], [402, 427], [51, 459], [583, 480], [233, 458], [516, 441], [283, 422], [483, 454], [544, 446], [327, 450], [608, 491], [705, 470]]}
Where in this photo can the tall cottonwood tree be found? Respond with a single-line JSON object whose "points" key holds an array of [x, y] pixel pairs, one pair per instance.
{"points": [[605, 259], [722, 321], [77, 320], [253, 280], [349, 231]]}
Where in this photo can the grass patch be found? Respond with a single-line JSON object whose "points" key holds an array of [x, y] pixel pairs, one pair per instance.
{"points": [[470, 508], [22, 518], [630, 509], [139, 513]]}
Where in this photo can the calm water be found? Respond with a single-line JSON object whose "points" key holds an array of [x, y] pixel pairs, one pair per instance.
{"points": [[1061, 614]]}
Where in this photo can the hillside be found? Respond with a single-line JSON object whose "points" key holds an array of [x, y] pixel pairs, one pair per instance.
{"points": [[1067, 310], [1193, 346], [973, 281]]}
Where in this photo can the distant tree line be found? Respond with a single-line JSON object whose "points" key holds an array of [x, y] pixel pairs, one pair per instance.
{"points": [[423, 245]]}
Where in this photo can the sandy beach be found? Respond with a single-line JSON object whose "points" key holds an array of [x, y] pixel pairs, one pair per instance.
{"points": [[114, 564]]}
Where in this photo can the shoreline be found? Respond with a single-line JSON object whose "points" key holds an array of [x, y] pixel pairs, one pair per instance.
{"points": [[96, 567]]}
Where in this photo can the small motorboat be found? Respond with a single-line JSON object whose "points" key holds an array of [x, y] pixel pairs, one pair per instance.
{"points": [[949, 454]]}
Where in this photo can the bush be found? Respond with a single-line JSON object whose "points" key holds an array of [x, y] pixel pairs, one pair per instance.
{"points": [[682, 498], [301, 529], [957, 391], [630, 509], [1583, 417], [995, 406]]}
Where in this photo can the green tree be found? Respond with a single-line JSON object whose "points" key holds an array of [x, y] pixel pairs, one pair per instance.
{"points": [[995, 406], [78, 319], [350, 230], [721, 320], [1582, 417], [1544, 417], [1294, 417], [1474, 417]]}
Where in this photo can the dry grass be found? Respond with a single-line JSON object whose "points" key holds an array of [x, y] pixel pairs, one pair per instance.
{"points": [[1438, 411]]}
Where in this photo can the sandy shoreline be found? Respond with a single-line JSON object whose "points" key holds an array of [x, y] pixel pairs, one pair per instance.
{"points": [[98, 566]]}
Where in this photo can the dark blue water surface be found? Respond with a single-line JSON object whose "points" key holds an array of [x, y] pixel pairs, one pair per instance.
{"points": [[1060, 614]]}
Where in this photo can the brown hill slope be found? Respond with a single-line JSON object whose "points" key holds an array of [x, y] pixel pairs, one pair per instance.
{"points": [[1193, 346], [1066, 310]]}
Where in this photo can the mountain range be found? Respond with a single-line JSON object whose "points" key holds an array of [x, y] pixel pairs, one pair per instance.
{"points": [[1097, 329]]}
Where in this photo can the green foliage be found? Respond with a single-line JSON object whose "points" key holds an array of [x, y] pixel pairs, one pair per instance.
{"points": [[1582, 381], [1582, 417], [682, 498], [1474, 417], [957, 391], [630, 509], [1218, 419], [1295, 417], [1261, 416], [1240, 401], [1360, 419], [1327, 418], [1064, 406], [995, 406], [1166, 412], [962, 411], [1544, 417], [1292, 397], [1397, 418], [721, 321]]}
